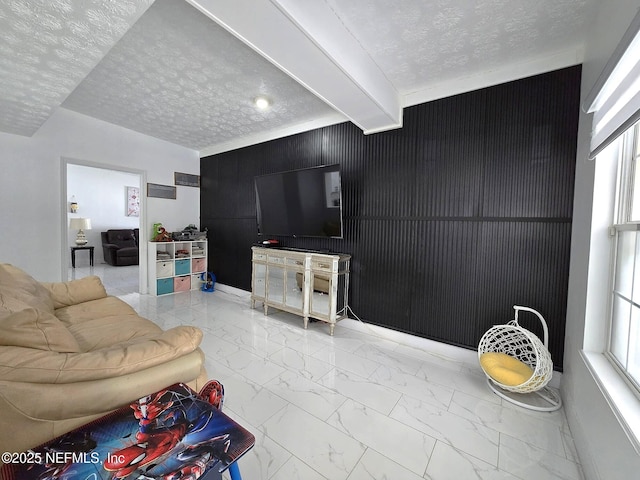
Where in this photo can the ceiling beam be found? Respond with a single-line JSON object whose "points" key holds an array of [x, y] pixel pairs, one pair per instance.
{"points": [[308, 42]]}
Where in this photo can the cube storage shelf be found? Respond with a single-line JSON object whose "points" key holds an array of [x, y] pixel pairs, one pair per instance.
{"points": [[176, 266]]}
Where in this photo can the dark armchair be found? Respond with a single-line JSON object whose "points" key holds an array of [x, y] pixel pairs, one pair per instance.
{"points": [[120, 247]]}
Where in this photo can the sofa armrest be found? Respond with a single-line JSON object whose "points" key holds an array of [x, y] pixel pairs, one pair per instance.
{"points": [[35, 413], [39, 366], [109, 253], [74, 292]]}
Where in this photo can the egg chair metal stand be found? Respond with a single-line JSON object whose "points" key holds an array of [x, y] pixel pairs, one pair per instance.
{"points": [[524, 346]]}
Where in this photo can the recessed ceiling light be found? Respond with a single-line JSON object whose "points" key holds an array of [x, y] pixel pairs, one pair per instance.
{"points": [[261, 103]]}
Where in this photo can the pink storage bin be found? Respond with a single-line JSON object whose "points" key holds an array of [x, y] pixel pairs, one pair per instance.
{"points": [[182, 284], [198, 264]]}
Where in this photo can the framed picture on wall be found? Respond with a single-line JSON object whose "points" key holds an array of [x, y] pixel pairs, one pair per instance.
{"points": [[161, 191], [133, 201], [186, 179]]}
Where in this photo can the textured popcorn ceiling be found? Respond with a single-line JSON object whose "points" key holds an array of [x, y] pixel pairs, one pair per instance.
{"points": [[48, 47], [419, 42], [179, 76], [166, 69]]}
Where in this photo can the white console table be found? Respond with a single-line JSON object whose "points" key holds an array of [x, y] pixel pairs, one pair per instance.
{"points": [[309, 284]]}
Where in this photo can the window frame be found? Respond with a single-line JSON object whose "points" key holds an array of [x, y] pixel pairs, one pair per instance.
{"points": [[609, 90], [628, 159]]}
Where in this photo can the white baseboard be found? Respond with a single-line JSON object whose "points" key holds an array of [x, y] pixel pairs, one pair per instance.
{"points": [[459, 354], [232, 290]]}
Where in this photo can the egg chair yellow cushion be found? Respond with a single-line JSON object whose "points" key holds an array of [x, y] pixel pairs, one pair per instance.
{"points": [[505, 369]]}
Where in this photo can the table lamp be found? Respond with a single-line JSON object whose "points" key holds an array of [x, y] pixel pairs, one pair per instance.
{"points": [[81, 224]]}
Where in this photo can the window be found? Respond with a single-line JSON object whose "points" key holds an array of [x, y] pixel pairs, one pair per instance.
{"points": [[624, 334], [611, 343]]}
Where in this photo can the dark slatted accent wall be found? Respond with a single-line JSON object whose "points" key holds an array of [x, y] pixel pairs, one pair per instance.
{"points": [[451, 220]]}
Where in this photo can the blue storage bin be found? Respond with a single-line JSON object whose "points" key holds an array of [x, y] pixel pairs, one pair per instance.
{"points": [[164, 286], [183, 267]]}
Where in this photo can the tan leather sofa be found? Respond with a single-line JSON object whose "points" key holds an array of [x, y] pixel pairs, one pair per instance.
{"points": [[70, 354]]}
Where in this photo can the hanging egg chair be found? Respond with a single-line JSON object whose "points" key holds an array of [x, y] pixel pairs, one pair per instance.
{"points": [[515, 361]]}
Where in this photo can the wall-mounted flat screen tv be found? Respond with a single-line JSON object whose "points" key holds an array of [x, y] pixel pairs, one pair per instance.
{"points": [[300, 203]]}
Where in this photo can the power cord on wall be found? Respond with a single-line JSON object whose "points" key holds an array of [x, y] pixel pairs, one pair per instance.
{"points": [[348, 310]]}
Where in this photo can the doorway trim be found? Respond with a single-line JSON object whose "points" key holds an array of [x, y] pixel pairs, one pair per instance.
{"points": [[143, 285]]}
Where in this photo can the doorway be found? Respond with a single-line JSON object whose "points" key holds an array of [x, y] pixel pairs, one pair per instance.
{"points": [[108, 198]]}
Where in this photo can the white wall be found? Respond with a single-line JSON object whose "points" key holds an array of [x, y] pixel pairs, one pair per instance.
{"points": [[605, 451], [32, 200], [101, 195]]}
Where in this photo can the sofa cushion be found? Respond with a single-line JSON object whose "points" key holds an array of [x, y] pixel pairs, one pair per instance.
{"points": [[22, 286], [94, 309], [127, 252], [74, 292], [104, 322], [22, 325], [38, 366], [112, 330]]}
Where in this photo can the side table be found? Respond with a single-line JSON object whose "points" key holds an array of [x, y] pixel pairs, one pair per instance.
{"points": [[83, 247]]}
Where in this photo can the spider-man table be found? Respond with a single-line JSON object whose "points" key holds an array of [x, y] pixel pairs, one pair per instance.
{"points": [[172, 434]]}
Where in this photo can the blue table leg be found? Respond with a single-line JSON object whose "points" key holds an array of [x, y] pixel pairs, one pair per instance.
{"points": [[235, 471]]}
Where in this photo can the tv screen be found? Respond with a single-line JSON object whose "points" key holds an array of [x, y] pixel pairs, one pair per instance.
{"points": [[300, 203]]}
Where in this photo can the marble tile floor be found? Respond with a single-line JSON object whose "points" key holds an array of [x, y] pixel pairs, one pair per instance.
{"points": [[117, 280], [367, 403]]}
